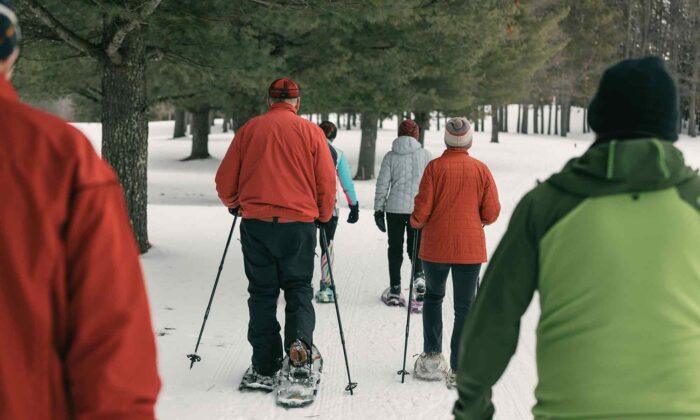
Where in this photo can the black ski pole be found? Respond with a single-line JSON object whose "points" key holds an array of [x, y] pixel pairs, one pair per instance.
{"points": [[416, 236], [351, 385], [193, 356]]}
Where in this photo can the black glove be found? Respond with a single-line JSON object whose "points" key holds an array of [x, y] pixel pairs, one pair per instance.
{"points": [[379, 220], [233, 210], [354, 215]]}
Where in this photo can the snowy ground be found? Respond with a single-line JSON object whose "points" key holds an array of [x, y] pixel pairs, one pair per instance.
{"points": [[188, 230]]}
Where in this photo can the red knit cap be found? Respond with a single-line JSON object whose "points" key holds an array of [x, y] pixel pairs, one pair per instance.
{"points": [[284, 89], [409, 128]]}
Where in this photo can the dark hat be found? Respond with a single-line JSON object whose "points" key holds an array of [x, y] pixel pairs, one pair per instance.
{"points": [[636, 99], [329, 129], [409, 128], [9, 29], [284, 89]]}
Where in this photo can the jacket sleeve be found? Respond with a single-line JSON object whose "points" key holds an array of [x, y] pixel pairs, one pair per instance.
{"points": [[490, 205], [381, 192], [324, 170], [346, 180], [424, 201], [490, 334], [110, 361], [229, 171]]}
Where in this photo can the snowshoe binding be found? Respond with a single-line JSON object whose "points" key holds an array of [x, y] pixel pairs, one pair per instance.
{"points": [[300, 376], [392, 296], [253, 381], [325, 294], [416, 306], [418, 293], [430, 367]]}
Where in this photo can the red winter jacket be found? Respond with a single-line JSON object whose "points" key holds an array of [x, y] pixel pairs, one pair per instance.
{"points": [[457, 195], [279, 165], [75, 329]]}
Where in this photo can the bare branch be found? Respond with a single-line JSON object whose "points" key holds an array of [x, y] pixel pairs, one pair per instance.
{"points": [[68, 36], [147, 9]]}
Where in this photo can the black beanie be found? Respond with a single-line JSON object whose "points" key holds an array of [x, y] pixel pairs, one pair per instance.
{"points": [[636, 99], [9, 30]]}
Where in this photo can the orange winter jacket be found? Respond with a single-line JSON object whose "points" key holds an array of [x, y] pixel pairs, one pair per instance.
{"points": [[76, 340], [279, 165], [457, 195]]}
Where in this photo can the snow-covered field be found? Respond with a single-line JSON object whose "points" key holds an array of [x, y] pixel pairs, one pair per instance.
{"points": [[188, 229]]}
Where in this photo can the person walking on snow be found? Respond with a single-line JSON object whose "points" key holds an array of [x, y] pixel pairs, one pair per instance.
{"points": [[397, 186], [78, 341], [278, 175], [457, 197], [325, 293], [611, 245]]}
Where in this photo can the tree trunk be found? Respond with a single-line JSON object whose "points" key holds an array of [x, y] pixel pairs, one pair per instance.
{"points": [[437, 121], [180, 126], [692, 110], [692, 98], [585, 120], [347, 122], [505, 118], [423, 121], [482, 116], [565, 116], [227, 121], [325, 117], [535, 120], [337, 120], [354, 120], [368, 146], [518, 127], [526, 119], [549, 121], [188, 116], [200, 137], [125, 126], [556, 119], [494, 123]]}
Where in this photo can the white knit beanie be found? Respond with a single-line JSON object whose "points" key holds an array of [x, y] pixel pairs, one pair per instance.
{"points": [[459, 133]]}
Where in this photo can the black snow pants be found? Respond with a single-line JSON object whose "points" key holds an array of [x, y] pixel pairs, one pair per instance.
{"points": [[398, 226], [278, 256]]}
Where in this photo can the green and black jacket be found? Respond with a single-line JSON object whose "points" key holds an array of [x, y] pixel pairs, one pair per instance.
{"points": [[612, 245]]}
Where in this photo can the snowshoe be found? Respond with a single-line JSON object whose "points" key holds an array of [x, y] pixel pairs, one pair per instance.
{"points": [[430, 367], [393, 297], [325, 294], [299, 384], [416, 306], [252, 380], [451, 379]]}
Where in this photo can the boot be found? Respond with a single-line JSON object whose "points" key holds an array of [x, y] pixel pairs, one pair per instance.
{"points": [[431, 367]]}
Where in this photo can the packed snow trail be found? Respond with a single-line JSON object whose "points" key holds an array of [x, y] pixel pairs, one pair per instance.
{"points": [[188, 229]]}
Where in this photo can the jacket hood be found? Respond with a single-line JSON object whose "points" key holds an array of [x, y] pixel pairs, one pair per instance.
{"points": [[405, 145], [622, 167]]}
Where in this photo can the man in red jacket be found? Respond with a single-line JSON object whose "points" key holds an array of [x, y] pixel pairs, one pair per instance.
{"points": [[278, 174], [77, 341]]}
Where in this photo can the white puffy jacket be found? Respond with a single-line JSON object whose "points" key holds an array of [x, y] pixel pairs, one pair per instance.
{"points": [[400, 175]]}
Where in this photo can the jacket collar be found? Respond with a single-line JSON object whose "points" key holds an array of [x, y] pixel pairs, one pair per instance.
{"points": [[625, 166], [283, 106], [455, 151], [7, 91]]}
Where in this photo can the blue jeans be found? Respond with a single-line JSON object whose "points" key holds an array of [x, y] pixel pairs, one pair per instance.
{"points": [[464, 279]]}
